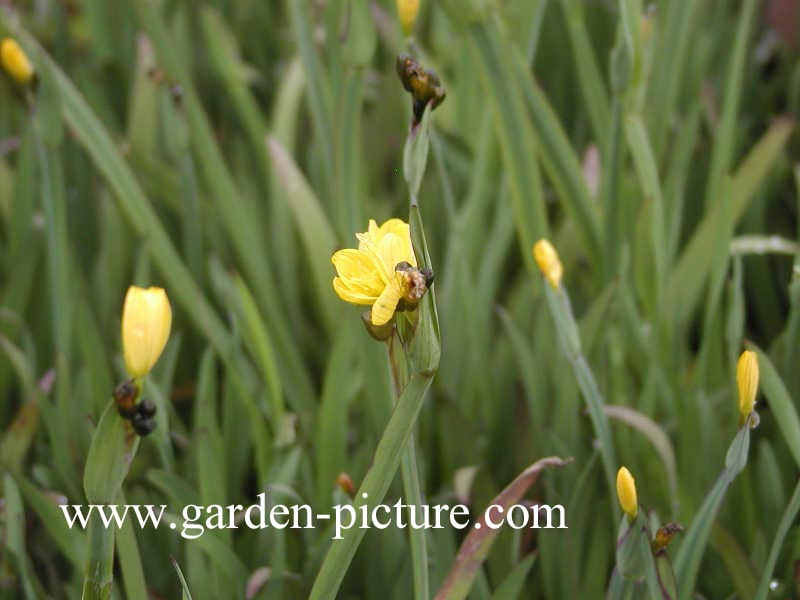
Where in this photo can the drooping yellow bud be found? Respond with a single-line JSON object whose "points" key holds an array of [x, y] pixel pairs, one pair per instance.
{"points": [[15, 62], [146, 321], [407, 11], [548, 262], [747, 382], [626, 493]]}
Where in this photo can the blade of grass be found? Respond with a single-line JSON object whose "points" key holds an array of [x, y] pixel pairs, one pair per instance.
{"points": [[95, 139], [312, 225], [689, 275], [375, 485], [515, 135], [590, 80], [725, 137], [185, 594], [569, 338], [656, 436], [693, 545], [257, 336], [559, 159], [647, 171], [15, 536], [236, 215], [777, 543], [319, 87], [130, 561], [669, 70], [780, 404]]}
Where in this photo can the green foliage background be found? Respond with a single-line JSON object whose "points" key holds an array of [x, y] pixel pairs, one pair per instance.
{"points": [[224, 149]]}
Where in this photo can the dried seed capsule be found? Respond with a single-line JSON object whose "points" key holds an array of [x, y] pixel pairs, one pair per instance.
{"points": [[664, 536], [143, 425], [423, 84], [125, 396], [146, 408], [345, 483]]}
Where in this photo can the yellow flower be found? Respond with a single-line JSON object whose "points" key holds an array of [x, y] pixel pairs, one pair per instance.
{"points": [[548, 262], [747, 382], [15, 62], [368, 275], [407, 11], [146, 320], [626, 493]]}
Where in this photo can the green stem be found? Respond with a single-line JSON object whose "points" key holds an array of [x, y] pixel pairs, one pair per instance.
{"points": [[375, 484], [100, 563], [411, 488], [567, 328]]}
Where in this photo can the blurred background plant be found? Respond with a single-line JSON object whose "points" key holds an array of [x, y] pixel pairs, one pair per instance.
{"points": [[224, 149]]}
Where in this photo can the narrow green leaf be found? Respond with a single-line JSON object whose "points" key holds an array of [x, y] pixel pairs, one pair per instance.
{"points": [[689, 276], [788, 518], [185, 594], [375, 485], [130, 561], [15, 535], [687, 560], [113, 448], [780, 404], [512, 586], [312, 226]]}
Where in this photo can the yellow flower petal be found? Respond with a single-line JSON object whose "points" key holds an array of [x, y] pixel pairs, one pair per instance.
{"points": [[146, 322], [351, 294], [407, 11], [396, 226], [385, 305], [354, 265], [358, 278], [394, 229], [368, 276]]}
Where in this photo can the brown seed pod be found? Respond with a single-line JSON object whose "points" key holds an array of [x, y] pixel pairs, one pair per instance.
{"points": [[345, 483], [664, 536], [125, 395], [423, 84]]}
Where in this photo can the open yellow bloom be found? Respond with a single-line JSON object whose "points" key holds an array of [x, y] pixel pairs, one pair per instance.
{"points": [[747, 382], [626, 493], [146, 321], [15, 62], [407, 11], [367, 275], [548, 262]]}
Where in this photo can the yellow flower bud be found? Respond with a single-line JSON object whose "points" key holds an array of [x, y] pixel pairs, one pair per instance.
{"points": [[407, 11], [747, 382], [626, 493], [548, 262], [15, 62], [146, 320]]}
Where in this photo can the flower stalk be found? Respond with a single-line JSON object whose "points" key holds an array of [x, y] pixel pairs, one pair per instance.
{"points": [[417, 330], [146, 322], [567, 330]]}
